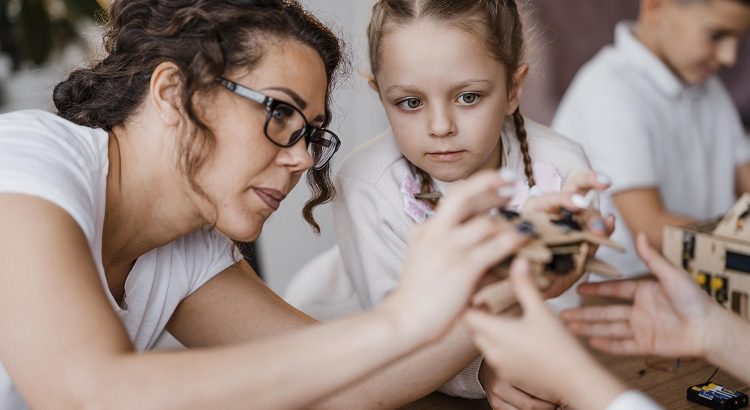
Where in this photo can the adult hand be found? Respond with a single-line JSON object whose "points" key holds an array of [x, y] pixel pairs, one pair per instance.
{"points": [[448, 255], [669, 317], [537, 351]]}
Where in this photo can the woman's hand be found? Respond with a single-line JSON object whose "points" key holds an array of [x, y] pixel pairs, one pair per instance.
{"points": [[537, 352], [448, 255], [670, 317]]}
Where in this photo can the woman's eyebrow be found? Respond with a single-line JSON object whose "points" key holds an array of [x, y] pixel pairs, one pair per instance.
{"points": [[301, 103]]}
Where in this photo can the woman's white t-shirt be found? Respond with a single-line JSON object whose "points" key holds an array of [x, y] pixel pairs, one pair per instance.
{"points": [[45, 156]]}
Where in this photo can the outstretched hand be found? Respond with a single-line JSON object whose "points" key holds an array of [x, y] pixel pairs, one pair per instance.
{"points": [[668, 317]]}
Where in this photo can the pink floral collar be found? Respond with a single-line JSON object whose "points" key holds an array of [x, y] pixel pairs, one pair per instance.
{"points": [[548, 180]]}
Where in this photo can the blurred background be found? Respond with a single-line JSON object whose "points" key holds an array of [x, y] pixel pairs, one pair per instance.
{"points": [[42, 40]]}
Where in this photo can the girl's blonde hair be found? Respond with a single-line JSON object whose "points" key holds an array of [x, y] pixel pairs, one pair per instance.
{"points": [[497, 23]]}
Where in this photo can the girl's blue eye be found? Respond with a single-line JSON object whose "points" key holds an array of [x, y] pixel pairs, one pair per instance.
{"points": [[468, 98], [410, 104]]}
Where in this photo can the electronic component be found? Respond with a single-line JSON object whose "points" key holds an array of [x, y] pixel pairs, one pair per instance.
{"points": [[716, 397]]}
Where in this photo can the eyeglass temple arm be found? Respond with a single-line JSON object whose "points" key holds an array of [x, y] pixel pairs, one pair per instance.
{"points": [[244, 91]]}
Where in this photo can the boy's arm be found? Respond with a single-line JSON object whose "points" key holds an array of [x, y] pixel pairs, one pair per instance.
{"points": [[742, 176], [643, 211]]}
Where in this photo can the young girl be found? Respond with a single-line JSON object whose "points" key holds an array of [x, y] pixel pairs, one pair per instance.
{"points": [[449, 75]]}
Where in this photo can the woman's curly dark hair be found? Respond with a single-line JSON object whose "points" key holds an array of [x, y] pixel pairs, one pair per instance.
{"points": [[205, 39]]}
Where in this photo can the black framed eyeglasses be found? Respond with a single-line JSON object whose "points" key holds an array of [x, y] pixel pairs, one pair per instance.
{"points": [[286, 125]]}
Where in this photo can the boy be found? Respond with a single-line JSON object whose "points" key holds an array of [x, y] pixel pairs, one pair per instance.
{"points": [[650, 113]]}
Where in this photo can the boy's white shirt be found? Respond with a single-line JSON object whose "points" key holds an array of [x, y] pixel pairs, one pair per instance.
{"points": [[372, 230], [644, 128]]}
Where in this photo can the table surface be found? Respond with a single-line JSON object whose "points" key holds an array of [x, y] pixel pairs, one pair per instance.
{"points": [[666, 387], [658, 378]]}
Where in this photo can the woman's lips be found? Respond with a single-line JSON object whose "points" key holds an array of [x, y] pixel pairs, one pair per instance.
{"points": [[270, 197], [445, 156]]}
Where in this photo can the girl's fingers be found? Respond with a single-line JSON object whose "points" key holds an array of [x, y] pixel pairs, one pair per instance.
{"points": [[584, 181], [515, 398]]}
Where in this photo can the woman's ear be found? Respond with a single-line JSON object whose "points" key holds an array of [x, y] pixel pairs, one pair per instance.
{"points": [[373, 84], [165, 93], [519, 79]]}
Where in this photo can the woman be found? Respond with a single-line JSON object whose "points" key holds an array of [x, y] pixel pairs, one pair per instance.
{"points": [[188, 134]]}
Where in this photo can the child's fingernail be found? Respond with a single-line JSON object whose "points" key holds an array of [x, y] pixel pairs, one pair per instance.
{"points": [[590, 196], [526, 228], [599, 225], [603, 179], [508, 175], [579, 201]]}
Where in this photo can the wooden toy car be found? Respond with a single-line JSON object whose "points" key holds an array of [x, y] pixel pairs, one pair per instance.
{"points": [[559, 246]]}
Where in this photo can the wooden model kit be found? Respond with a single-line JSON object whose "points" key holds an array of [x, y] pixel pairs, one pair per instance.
{"points": [[559, 247], [717, 255]]}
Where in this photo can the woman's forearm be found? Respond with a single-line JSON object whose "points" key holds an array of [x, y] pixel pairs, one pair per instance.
{"points": [[411, 377], [290, 371]]}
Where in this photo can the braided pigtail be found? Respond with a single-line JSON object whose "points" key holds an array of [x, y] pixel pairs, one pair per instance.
{"points": [[519, 123]]}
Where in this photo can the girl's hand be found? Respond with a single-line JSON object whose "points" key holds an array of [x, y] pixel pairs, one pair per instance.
{"points": [[448, 255], [503, 395], [585, 181], [670, 317], [537, 352], [577, 195]]}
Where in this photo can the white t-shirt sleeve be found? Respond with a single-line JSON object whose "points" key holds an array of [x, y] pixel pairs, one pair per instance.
{"points": [[207, 254], [42, 157], [372, 250], [633, 400]]}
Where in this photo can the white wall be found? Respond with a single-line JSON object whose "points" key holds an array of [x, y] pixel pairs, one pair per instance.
{"points": [[287, 242]]}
